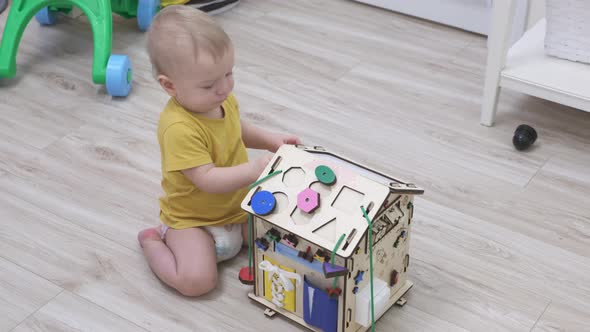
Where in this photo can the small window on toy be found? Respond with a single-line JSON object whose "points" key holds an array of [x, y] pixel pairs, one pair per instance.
{"points": [[382, 226], [395, 212], [348, 200], [294, 176]]}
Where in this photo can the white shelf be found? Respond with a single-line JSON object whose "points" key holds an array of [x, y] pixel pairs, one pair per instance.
{"points": [[529, 70]]}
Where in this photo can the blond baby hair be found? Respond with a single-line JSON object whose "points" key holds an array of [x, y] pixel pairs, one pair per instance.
{"points": [[178, 34]]}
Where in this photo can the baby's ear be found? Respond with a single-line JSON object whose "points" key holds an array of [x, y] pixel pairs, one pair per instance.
{"points": [[167, 85]]}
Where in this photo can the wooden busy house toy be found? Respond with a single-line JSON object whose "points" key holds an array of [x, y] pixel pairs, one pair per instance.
{"points": [[316, 219]]}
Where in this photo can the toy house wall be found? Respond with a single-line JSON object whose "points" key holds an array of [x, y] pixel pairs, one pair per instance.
{"points": [[285, 259], [386, 258]]}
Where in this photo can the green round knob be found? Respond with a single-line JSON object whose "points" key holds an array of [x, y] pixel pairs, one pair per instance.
{"points": [[325, 174]]}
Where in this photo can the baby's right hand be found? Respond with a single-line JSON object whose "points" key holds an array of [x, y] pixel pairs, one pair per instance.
{"points": [[259, 164]]}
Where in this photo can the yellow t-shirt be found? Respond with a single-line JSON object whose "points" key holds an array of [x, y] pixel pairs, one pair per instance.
{"points": [[189, 140]]}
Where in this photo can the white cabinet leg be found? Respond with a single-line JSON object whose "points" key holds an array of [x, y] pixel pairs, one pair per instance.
{"points": [[498, 45], [490, 100]]}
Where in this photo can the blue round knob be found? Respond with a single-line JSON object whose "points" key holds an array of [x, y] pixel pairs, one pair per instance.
{"points": [[263, 202]]}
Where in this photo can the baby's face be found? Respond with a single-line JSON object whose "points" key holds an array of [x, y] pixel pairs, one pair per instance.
{"points": [[205, 85]]}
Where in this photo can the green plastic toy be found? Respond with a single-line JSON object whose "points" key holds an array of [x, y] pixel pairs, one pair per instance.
{"points": [[112, 70]]}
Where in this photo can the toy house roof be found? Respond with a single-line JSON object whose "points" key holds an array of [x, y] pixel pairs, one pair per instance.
{"points": [[339, 210]]}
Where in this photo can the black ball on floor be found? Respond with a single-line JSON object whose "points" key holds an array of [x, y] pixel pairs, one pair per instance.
{"points": [[524, 137]]}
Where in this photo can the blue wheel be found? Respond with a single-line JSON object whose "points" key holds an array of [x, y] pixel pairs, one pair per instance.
{"points": [[46, 17], [146, 10], [119, 75]]}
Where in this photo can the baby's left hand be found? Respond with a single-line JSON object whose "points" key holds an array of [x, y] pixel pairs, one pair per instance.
{"points": [[279, 139]]}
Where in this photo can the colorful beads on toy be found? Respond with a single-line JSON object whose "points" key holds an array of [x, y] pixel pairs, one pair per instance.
{"points": [[308, 200], [291, 240], [401, 236], [263, 202], [394, 278], [322, 256], [262, 243], [325, 174], [359, 277], [273, 235], [307, 255], [333, 293]]}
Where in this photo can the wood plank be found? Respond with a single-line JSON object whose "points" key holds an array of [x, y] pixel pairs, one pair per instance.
{"points": [[33, 123], [76, 177], [566, 173], [21, 294], [410, 318], [562, 316], [68, 313], [467, 297], [495, 256]]}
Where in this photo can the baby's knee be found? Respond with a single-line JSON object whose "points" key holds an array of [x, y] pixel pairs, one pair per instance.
{"points": [[197, 285]]}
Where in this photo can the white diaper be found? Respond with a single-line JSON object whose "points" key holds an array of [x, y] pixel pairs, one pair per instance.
{"points": [[228, 239]]}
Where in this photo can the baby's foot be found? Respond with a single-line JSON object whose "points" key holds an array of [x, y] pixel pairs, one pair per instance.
{"points": [[149, 234]]}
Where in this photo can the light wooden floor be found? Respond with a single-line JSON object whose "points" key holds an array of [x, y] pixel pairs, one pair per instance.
{"points": [[501, 239]]}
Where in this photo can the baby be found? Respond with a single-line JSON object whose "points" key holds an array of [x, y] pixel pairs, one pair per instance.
{"points": [[203, 143]]}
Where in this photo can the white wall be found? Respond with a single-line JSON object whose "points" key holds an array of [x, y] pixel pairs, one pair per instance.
{"points": [[470, 15]]}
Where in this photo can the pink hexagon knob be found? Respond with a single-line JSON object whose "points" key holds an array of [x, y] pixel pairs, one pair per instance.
{"points": [[308, 200]]}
